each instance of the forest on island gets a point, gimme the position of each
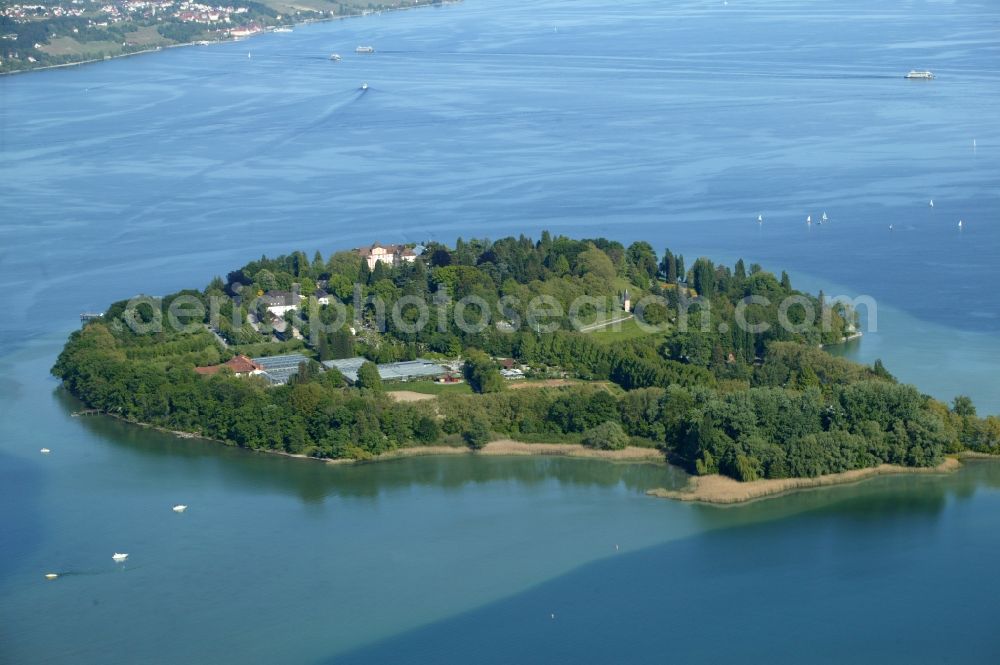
(715, 398)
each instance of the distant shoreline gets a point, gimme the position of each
(722, 490)
(157, 49)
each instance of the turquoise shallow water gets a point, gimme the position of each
(674, 123)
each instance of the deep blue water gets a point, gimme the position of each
(676, 123)
(824, 586)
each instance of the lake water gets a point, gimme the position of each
(676, 123)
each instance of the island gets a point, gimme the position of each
(54, 33)
(517, 346)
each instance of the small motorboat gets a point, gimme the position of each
(364, 86)
(45, 451)
(180, 508)
(119, 556)
(51, 576)
(335, 57)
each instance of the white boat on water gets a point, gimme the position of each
(365, 49)
(119, 556)
(364, 86)
(180, 508)
(960, 224)
(932, 203)
(51, 576)
(760, 219)
(45, 451)
(282, 30)
(920, 75)
(824, 218)
(809, 219)
(335, 57)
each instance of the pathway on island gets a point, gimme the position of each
(604, 324)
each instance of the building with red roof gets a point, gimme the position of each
(240, 365)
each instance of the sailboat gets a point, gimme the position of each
(809, 219)
(824, 218)
(932, 203)
(960, 224)
(248, 55)
(760, 219)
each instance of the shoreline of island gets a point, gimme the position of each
(513, 448)
(157, 49)
(721, 490)
(715, 489)
(496, 448)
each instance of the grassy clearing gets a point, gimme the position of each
(620, 332)
(430, 387)
(147, 35)
(68, 46)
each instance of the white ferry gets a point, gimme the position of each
(920, 75)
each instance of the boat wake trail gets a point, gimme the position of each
(327, 115)
(156, 201)
(117, 570)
